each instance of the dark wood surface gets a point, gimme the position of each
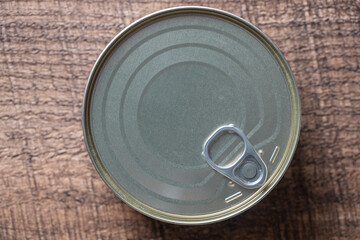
(49, 188)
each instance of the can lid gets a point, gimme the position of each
(163, 87)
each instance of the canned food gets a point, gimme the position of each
(191, 115)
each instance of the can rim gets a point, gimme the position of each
(255, 197)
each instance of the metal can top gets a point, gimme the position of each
(191, 115)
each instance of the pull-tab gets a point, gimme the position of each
(249, 171)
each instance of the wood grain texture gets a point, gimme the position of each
(49, 188)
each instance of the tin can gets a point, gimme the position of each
(191, 115)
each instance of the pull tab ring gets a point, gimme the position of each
(249, 170)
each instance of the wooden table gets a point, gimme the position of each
(49, 188)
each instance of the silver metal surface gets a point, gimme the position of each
(161, 86)
(249, 170)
